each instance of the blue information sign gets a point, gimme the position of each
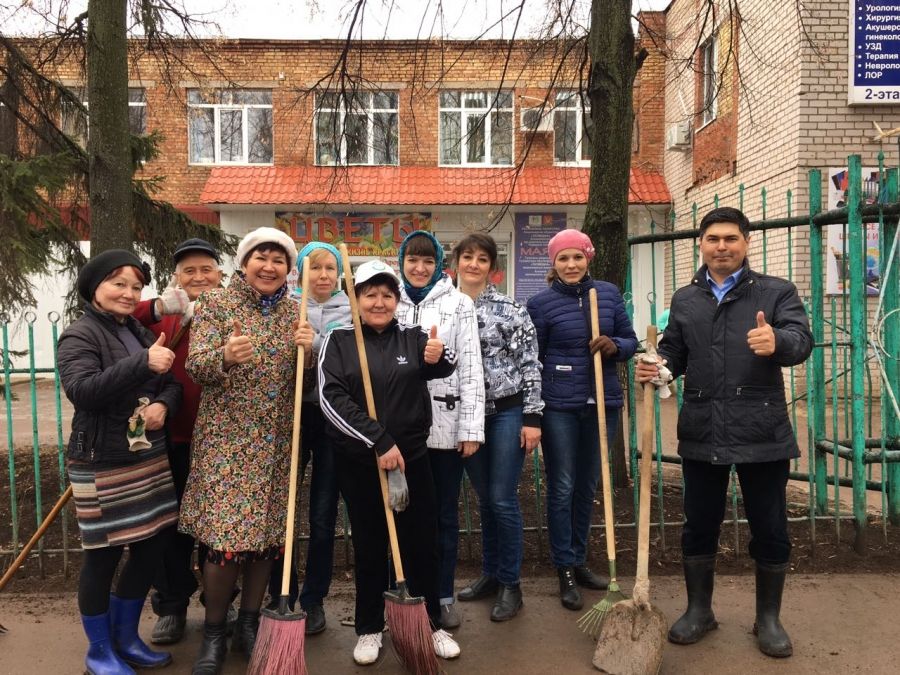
(874, 52)
(533, 233)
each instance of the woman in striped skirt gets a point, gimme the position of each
(115, 372)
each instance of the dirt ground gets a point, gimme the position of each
(838, 624)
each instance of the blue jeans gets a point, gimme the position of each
(446, 469)
(323, 507)
(494, 472)
(571, 447)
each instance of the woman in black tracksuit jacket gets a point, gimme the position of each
(398, 357)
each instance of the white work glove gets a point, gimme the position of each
(661, 381)
(174, 299)
(398, 490)
(137, 431)
(188, 313)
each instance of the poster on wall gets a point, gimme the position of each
(874, 53)
(837, 265)
(368, 235)
(533, 232)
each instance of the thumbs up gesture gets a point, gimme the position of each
(238, 348)
(173, 300)
(433, 348)
(160, 357)
(761, 339)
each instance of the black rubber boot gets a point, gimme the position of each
(212, 651)
(483, 587)
(569, 595)
(245, 630)
(508, 603)
(698, 620)
(773, 638)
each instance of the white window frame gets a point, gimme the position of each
(370, 111)
(568, 101)
(483, 112)
(218, 109)
(67, 117)
(137, 104)
(709, 55)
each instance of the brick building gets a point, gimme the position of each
(755, 100)
(389, 136)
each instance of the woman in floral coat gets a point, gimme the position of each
(243, 353)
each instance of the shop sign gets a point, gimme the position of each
(366, 234)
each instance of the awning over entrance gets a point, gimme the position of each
(415, 185)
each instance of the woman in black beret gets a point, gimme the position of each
(115, 373)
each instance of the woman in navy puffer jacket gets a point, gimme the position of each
(570, 441)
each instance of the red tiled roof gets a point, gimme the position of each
(415, 185)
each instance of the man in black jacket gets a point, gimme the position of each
(730, 332)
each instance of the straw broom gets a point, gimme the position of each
(282, 633)
(407, 617)
(591, 620)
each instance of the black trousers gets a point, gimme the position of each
(174, 579)
(416, 530)
(763, 489)
(98, 567)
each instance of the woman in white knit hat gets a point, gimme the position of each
(243, 351)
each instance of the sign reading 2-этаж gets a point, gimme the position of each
(874, 52)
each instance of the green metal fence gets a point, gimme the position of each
(851, 379)
(847, 391)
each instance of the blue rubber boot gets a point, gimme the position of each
(101, 659)
(124, 618)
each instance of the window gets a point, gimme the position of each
(8, 137)
(476, 128)
(137, 111)
(230, 126)
(356, 128)
(74, 122)
(571, 129)
(708, 55)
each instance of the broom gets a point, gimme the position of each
(279, 644)
(591, 620)
(634, 631)
(407, 617)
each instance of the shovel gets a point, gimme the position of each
(634, 632)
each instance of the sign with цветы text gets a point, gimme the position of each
(874, 52)
(366, 234)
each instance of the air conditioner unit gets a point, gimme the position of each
(535, 120)
(678, 136)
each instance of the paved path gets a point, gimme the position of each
(839, 624)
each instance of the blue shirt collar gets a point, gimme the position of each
(730, 282)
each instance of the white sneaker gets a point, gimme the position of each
(444, 645)
(367, 648)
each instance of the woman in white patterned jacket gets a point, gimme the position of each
(512, 374)
(428, 298)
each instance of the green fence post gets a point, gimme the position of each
(7, 391)
(890, 278)
(30, 318)
(816, 424)
(54, 318)
(856, 250)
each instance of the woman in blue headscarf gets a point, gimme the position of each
(327, 308)
(429, 298)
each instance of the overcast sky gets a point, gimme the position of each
(314, 19)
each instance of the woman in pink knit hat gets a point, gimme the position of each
(570, 438)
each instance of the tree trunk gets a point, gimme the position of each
(109, 148)
(613, 68)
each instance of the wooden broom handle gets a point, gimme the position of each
(601, 423)
(45, 524)
(295, 444)
(643, 559)
(370, 404)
